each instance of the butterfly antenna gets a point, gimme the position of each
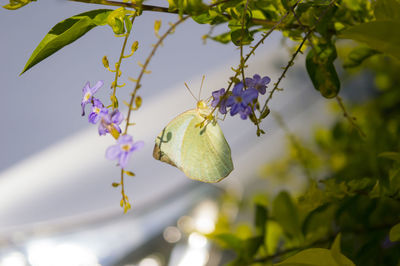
(187, 87)
(201, 86)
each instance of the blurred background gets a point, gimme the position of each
(57, 204)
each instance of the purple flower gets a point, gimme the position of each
(98, 111)
(218, 99)
(244, 113)
(110, 123)
(88, 94)
(258, 83)
(123, 149)
(240, 99)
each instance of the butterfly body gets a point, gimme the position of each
(202, 153)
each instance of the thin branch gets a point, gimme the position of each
(350, 118)
(262, 22)
(121, 56)
(133, 95)
(290, 63)
(128, 5)
(242, 65)
(295, 54)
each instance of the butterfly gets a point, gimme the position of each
(201, 152)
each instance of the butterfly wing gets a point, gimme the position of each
(168, 143)
(202, 154)
(206, 155)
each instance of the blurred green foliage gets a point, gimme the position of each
(352, 185)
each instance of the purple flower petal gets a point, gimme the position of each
(113, 152)
(94, 118)
(222, 108)
(83, 108)
(265, 80)
(97, 103)
(256, 78)
(97, 86)
(231, 101)
(235, 109)
(249, 82)
(86, 88)
(244, 113)
(125, 139)
(102, 129)
(123, 159)
(217, 97)
(249, 95)
(237, 89)
(137, 145)
(117, 117)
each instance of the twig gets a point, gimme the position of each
(350, 118)
(290, 63)
(167, 10)
(121, 56)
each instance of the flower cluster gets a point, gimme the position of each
(109, 122)
(242, 98)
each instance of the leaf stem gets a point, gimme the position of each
(118, 66)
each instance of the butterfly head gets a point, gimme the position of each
(203, 109)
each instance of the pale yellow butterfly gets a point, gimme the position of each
(202, 153)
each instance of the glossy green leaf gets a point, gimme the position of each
(322, 72)
(394, 234)
(387, 9)
(285, 213)
(357, 56)
(66, 32)
(381, 35)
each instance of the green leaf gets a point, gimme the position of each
(357, 56)
(394, 234)
(322, 72)
(241, 36)
(387, 10)
(228, 241)
(249, 248)
(337, 254)
(222, 38)
(15, 4)
(395, 156)
(381, 35)
(310, 257)
(66, 32)
(261, 217)
(319, 256)
(285, 213)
